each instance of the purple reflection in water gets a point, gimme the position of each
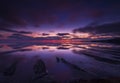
(59, 63)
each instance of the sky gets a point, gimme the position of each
(43, 16)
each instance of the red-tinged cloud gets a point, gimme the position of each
(1, 36)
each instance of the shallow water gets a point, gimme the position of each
(58, 62)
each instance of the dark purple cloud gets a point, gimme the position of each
(45, 34)
(62, 34)
(14, 31)
(104, 28)
(37, 13)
